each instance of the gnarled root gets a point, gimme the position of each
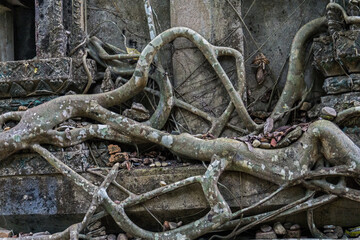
(286, 167)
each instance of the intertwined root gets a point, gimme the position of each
(323, 141)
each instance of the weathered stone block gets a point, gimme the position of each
(43, 76)
(50, 37)
(346, 46)
(338, 102)
(341, 84)
(13, 104)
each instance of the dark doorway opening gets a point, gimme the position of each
(24, 31)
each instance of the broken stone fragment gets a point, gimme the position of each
(4, 233)
(287, 225)
(173, 225)
(331, 235)
(163, 183)
(339, 231)
(295, 227)
(329, 231)
(328, 113)
(256, 143)
(265, 235)
(331, 227)
(293, 232)
(157, 164)
(305, 106)
(122, 236)
(22, 108)
(111, 237)
(265, 228)
(137, 112)
(290, 137)
(279, 229)
(265, 145)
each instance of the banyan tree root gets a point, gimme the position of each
(286, 167)
(220, 212)
(323, 139)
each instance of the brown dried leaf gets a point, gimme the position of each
(260, 76)
(22, 108)
(273, 142)
(166, 226)
(128, 165)
(114, 149)
(119, 157)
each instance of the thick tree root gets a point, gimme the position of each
(286, 167)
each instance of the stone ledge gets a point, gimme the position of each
(43, 77)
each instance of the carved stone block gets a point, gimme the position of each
(50, 38)
(338, 55)
(13, 104)
(341, 84)
(43, 76)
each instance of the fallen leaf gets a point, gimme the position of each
(114, 149)
(22, 108)
(260, 76)
(166, 226)
(119, 157)
(273, 142)
(128, 165)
